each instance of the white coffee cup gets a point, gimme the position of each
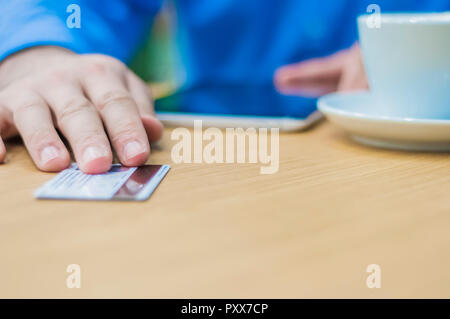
(407, 60)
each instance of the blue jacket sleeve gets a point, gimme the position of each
(113, 27)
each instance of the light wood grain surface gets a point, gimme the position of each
(224, 230)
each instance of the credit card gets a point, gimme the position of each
(119, 183)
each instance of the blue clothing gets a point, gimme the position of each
(231, 40)
(236, 41)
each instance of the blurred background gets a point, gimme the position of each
(156, 62)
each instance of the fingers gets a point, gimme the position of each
(142, 96)
(2, 151)
(78, 120)
(312, 77)
(313, 69)
(353, 78)
(353, 74)
(33, 120)
(3, 125)
(342, 71)
(86, 94)
(108, 92)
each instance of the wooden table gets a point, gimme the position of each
(224, 230)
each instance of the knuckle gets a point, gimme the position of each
(109, 60)
(88, 137)
(100, 64)
(72, 109)
(55, 77)
(113, 97)
(10, 90)
(95, 68)
(38, 137)
(24, 106)
(126, 130)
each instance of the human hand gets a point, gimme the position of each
(342, 71)
(87, 97)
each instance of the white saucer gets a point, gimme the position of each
(357, 114)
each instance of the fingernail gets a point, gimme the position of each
(92, 153)
(49, 153)
(132, 149)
